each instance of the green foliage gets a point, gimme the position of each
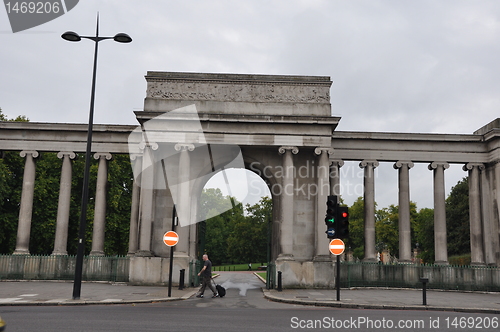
(119, 202)
(218, 228)
(386, 230)
(357, 229)
(11, 175)
(248, 241)
(19, 118)
(460, 259)
(423, 231)
(45, 199)
(457, 219)
(232, 236)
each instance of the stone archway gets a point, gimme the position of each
(193, 123)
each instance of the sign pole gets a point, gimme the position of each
(337, 279)
(337, 247)
(171, 257)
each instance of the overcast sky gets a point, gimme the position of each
(397, 66)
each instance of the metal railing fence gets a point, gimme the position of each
(471, 278)
(61, 267)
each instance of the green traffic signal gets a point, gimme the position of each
(331, 215)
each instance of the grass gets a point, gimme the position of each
(240, 267)
(236, 267)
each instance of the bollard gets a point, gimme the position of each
(181, 279)
(279, 282)
(424, 282)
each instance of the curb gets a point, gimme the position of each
(340, 304)
(104, 302)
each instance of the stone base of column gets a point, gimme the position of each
(309, 274)
(442, 263)
(21, 252)
(59, 253)
(369, 260)
(405, 261)
(155, 270)
(144, 253)
(322, 258)
(285, 257)
(477, 264)
(96, 253)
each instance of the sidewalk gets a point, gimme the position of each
(61, 293)
(23, 293)
(391, 299)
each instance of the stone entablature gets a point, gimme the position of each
(56, 137)
(239, 94)
(239, 88)
(425, 148)
(454, 148)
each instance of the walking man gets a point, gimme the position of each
(206, 278)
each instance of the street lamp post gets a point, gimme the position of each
(74, 37)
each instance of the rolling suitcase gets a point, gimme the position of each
(220, 290)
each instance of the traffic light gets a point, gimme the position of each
(331, 216)
(342, 222)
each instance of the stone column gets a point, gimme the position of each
(61, 237)
(183, 206)
(440, 241)
(26, 208)
(146, 212)
(335, 176)
(100, 205)
(369, 200)
(476, 232)
(321, 241)
(495, 219)
(403, 168)
(133, 240)
(489, 239)
(286, 204)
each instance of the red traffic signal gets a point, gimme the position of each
(342, 226)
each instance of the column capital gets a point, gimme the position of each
(106, 155)
(398, 164)
(135, 156)
(33, 153)
(152, 145)
(366, 162)
(283, 149)
(470, 166)
(336, 162)
(70, 154)
(319, 150)
(184, 147)
(435, 165)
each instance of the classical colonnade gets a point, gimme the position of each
(63, 207)
(276, 121)
(326, 161)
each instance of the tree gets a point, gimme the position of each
(248, 241)
(424, 234)
(356, 240)
(457, 219)
(386, 229)
(119, 202)
(232, 236)
(218, 228)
